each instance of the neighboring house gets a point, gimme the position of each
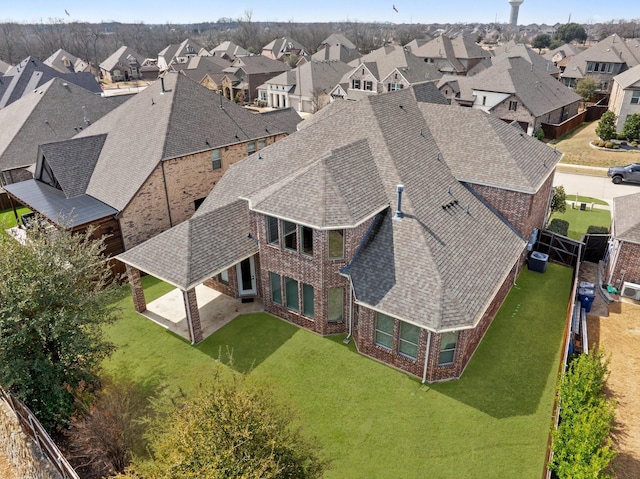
(149, 163)
(456, 56)
(623, 259)
(305, 88)
(65, 62)
(57, 110)
(514, 90)
(283, 49)
(602, 61)
(386, 69)
(512, 49)
(246, 74)
(123, 65)
(177, 53)
(229, 51)
(562, 55)
(625, 96)
(314, 226)
(336, 47)
(206, 70)
(29, 74)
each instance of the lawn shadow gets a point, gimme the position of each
(248, 340)
(517, 361)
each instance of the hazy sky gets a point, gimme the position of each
(429, 11)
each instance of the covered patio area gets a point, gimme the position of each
(215, 310)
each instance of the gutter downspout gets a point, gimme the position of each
(426, 358)
(166, 193)
(351, 296)
(614, 262)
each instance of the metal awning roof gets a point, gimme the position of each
(55, 206)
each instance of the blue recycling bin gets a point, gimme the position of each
(586, 297)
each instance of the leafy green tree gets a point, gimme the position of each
(541, 41)
(606, 128)
(559, 200)
(571, 31)
(228, 432)
(587, 88)
(54, 300)
(631, 128)
(582, 446)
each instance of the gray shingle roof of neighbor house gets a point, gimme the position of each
(30, 73)
(568, 50)
(170, 52)
(230, 49)
(54, 111)
(154, 126)
(279, 46)
(55, 206)
(337, 39)
(225, 231)
(427, 92)
(257, 64)
(311, 76)
(512, 49)
(626, 219)
(537, 90)
(283, 119)
(440, 266)
(58, 58)
(612, 49)
(72, 162)
(121, 56)
(629, 77)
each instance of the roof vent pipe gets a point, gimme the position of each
(399, 214)
(162, 85)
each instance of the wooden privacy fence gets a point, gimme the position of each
(32, 428)
(592, 113)
(560, 249)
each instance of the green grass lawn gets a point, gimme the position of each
(580, 220)
(8, 219)
(370, 420)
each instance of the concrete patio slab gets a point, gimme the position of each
(216, 310)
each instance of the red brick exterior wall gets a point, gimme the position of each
(168, 196)
(629, 261)
(468, 340)
(523, 211)
(317, 271)
(137, 293)
(191, 307)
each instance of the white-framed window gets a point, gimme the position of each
(368, 85)
(335, 305)
(308, 294)
(513, 105)
(223, 277)
(336, 244)
(384, 331)
(395, 86)
(276, 288)
(448, 343)
(263, 95)
(291, 294)
(251, 147)
(262, 142)
(355, 84)
(635, 97)
(408, 341)
(604, 85)
(216, 159)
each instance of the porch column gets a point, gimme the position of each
(193, 316)
(136, 289)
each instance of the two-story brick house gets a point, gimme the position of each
(316, 227)
(152, 161)
(623, 259)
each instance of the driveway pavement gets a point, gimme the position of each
(594, 186)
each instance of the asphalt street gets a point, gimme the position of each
(594, 186)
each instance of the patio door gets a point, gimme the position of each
(246, 270)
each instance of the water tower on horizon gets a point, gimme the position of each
(515, 6)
